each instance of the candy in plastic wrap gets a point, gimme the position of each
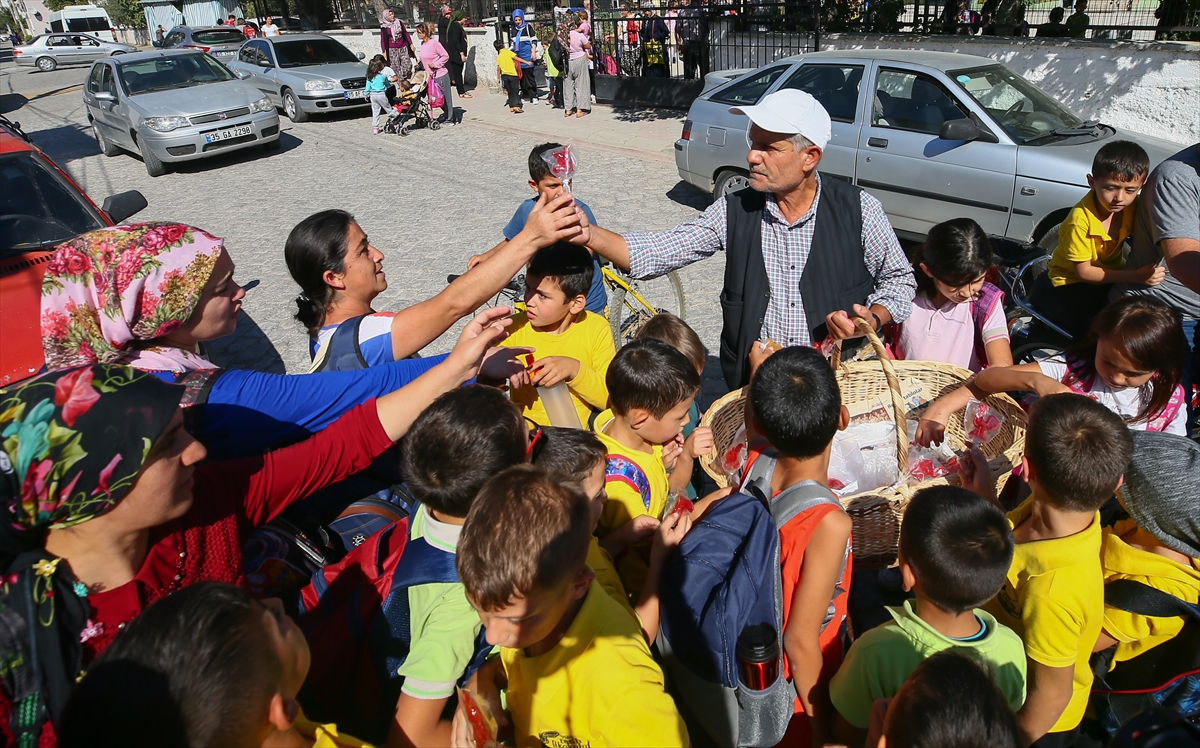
(734, 458)
(563, 164)
(677, 503)
(981, 422)
(483, 723)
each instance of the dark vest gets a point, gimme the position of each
(833, 278)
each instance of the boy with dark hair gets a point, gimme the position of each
(1088, 257)
(455, 446)
(651, 387)
(580, 457)
(955, 549)
(204, 666)
(545, 183)
(1076, 452)
(576, 670)
(506, 73)
(796, 406)
(692, 441)
(573, 345)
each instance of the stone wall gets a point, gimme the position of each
(1147, 87)
(481, 55)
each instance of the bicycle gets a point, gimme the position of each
(1032, 335)
(630, 302)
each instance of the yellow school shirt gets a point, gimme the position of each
(326, 736)
(598, 687)
(1081, 238)
(506, 60)
(1134, 633)
(625, 502)
(606, 575)
(1053, 597)
(589, 341)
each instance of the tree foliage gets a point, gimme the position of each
(126, 12)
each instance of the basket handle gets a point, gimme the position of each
(899, 410)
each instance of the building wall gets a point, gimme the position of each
(1147, 87)
(481, 55)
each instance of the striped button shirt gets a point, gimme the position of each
(785, 248)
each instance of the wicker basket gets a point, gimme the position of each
(877, 514)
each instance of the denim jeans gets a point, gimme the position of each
(1191, 364)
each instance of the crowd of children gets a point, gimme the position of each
(524, 597)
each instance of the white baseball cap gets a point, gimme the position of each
(790, 112)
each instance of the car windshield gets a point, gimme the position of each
(176, 71)
(38, 208)
(301, 52)
(1024, 111)
(219, 36)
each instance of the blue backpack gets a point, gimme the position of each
(724, 576)
(343, 352)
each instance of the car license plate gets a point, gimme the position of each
(227, 53)
(228, 133)
(356, 94)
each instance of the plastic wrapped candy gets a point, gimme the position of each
(563, 164)
(678, 503)
(734, 458)
(929, 462)
(981, 422)
(483, 723)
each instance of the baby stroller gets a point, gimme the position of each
(415, 113)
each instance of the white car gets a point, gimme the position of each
(48, 51)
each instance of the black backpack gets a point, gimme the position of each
(1167, 675)
(558, 54)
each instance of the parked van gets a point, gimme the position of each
(86, 18)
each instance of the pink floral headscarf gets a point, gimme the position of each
(106, 290)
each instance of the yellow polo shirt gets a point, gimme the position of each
(1082, 238)
(1134, 633)
(598, 687)
(326, 736)
(589, 341)
(1053, 598)
(606, 575)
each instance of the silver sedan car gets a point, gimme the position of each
(304, 73)
(175, 105)
(933, 135)
(48, 51)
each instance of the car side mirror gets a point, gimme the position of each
(361, 56)
(104, 96)
(123, 204)
(966, 129)
(242, 74)
(264, 63)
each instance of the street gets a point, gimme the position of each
(428, 201)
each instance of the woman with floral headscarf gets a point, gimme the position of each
(108, 505)
(396, 45)
(145, 295)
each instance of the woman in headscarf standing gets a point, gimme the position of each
(453, 37)
(522, 44)
(108, 505)
(396, 45)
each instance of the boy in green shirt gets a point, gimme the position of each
(955, 549)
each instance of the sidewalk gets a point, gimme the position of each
(639, 132)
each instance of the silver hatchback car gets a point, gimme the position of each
(175, 105)
(48, 51)
(222, 42)
(933, 135)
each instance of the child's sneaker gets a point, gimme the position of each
(376, 131)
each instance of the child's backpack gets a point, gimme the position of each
(724, 576)
(558, 54)
(355, 616)
(1167, 675)
(342, 352)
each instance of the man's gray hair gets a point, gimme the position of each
(799, 142)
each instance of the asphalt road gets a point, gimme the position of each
(429, 201)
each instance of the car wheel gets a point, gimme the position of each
(154, 167)
(107, 148)
(729, 181)
(291, 107)
(46, 64)
(1049, 240)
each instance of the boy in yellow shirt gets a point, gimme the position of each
(1076, 451)
(206, 665)
(1160, 545)
(576, 669)
(580, 457)
(506, 75)
(570, 344)
(651, 386)
(1088, 257)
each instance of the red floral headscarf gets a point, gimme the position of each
(105, 290)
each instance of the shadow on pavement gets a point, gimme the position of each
(12, 102)
(247, 348)
(645, 114)
(688, 194)
(287, 142)
(67, 142)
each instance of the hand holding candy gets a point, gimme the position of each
(980, 422)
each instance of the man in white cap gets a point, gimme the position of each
(804, 253)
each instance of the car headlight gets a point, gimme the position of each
(165, 124)
(262, 105)
(319, 85)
